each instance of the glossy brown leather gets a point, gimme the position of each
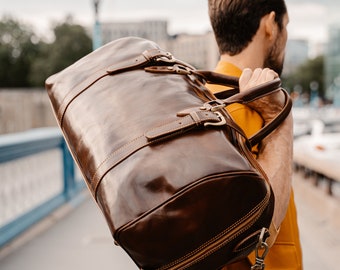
(170, 170)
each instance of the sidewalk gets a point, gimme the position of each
(319, 221)
(79, 239)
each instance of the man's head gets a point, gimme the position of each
(236, 22)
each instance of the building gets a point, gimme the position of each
(332, 65)
(198, 50)
(155, 30)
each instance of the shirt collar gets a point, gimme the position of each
(228, 68)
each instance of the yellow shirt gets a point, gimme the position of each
(286, 253)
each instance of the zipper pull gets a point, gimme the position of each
(261, 252)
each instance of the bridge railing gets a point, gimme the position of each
(37, 175)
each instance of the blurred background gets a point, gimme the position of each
(45, 210)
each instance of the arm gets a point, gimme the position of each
(276, 150)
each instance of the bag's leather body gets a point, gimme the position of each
(174, 178)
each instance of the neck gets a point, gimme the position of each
(251, 57)
(245, 59)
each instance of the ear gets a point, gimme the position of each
(271, 27)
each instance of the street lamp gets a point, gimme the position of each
(97, 37)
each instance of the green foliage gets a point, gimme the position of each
(306, 76)
(71, 43)
(26, 61)
(17, 52)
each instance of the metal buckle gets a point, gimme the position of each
(220, 123)
(213, 105)
(179, 69)
(157, 54)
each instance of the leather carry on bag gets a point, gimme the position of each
(168, 167)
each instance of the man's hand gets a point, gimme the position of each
(250, 79)
(268, 106)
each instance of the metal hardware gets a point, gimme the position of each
(261, 246)
(158, 55)
(179, 69)
(213, 105)
(166, 58)
(220, 123)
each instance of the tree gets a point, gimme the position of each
(26, 60)
(18, 50)
(70, 44)
(307, 76)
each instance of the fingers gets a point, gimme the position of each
(271, 75)
(245, 77)
(257, 76)
(251, 78)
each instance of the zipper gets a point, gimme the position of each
(217, 242)
(222, 239)
(177, 194)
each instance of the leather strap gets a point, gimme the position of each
(217, 78)
(249, 96)
(138, 61)
(184, 123)
(192, 119)
(259, 92)
(275, 123)
(148, 56)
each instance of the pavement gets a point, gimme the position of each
(76, 236)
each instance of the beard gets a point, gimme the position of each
(273, 60)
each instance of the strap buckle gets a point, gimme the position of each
(220, 123)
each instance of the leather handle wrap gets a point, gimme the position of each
(217, 78)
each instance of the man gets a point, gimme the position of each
(251, 36)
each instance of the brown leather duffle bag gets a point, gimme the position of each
(172, 173)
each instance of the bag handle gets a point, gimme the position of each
(275, 122)
(251, 95)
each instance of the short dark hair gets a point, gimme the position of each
(235, 22)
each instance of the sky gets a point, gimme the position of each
(309, 19)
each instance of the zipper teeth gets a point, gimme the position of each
(215, 243)
(220, 240)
